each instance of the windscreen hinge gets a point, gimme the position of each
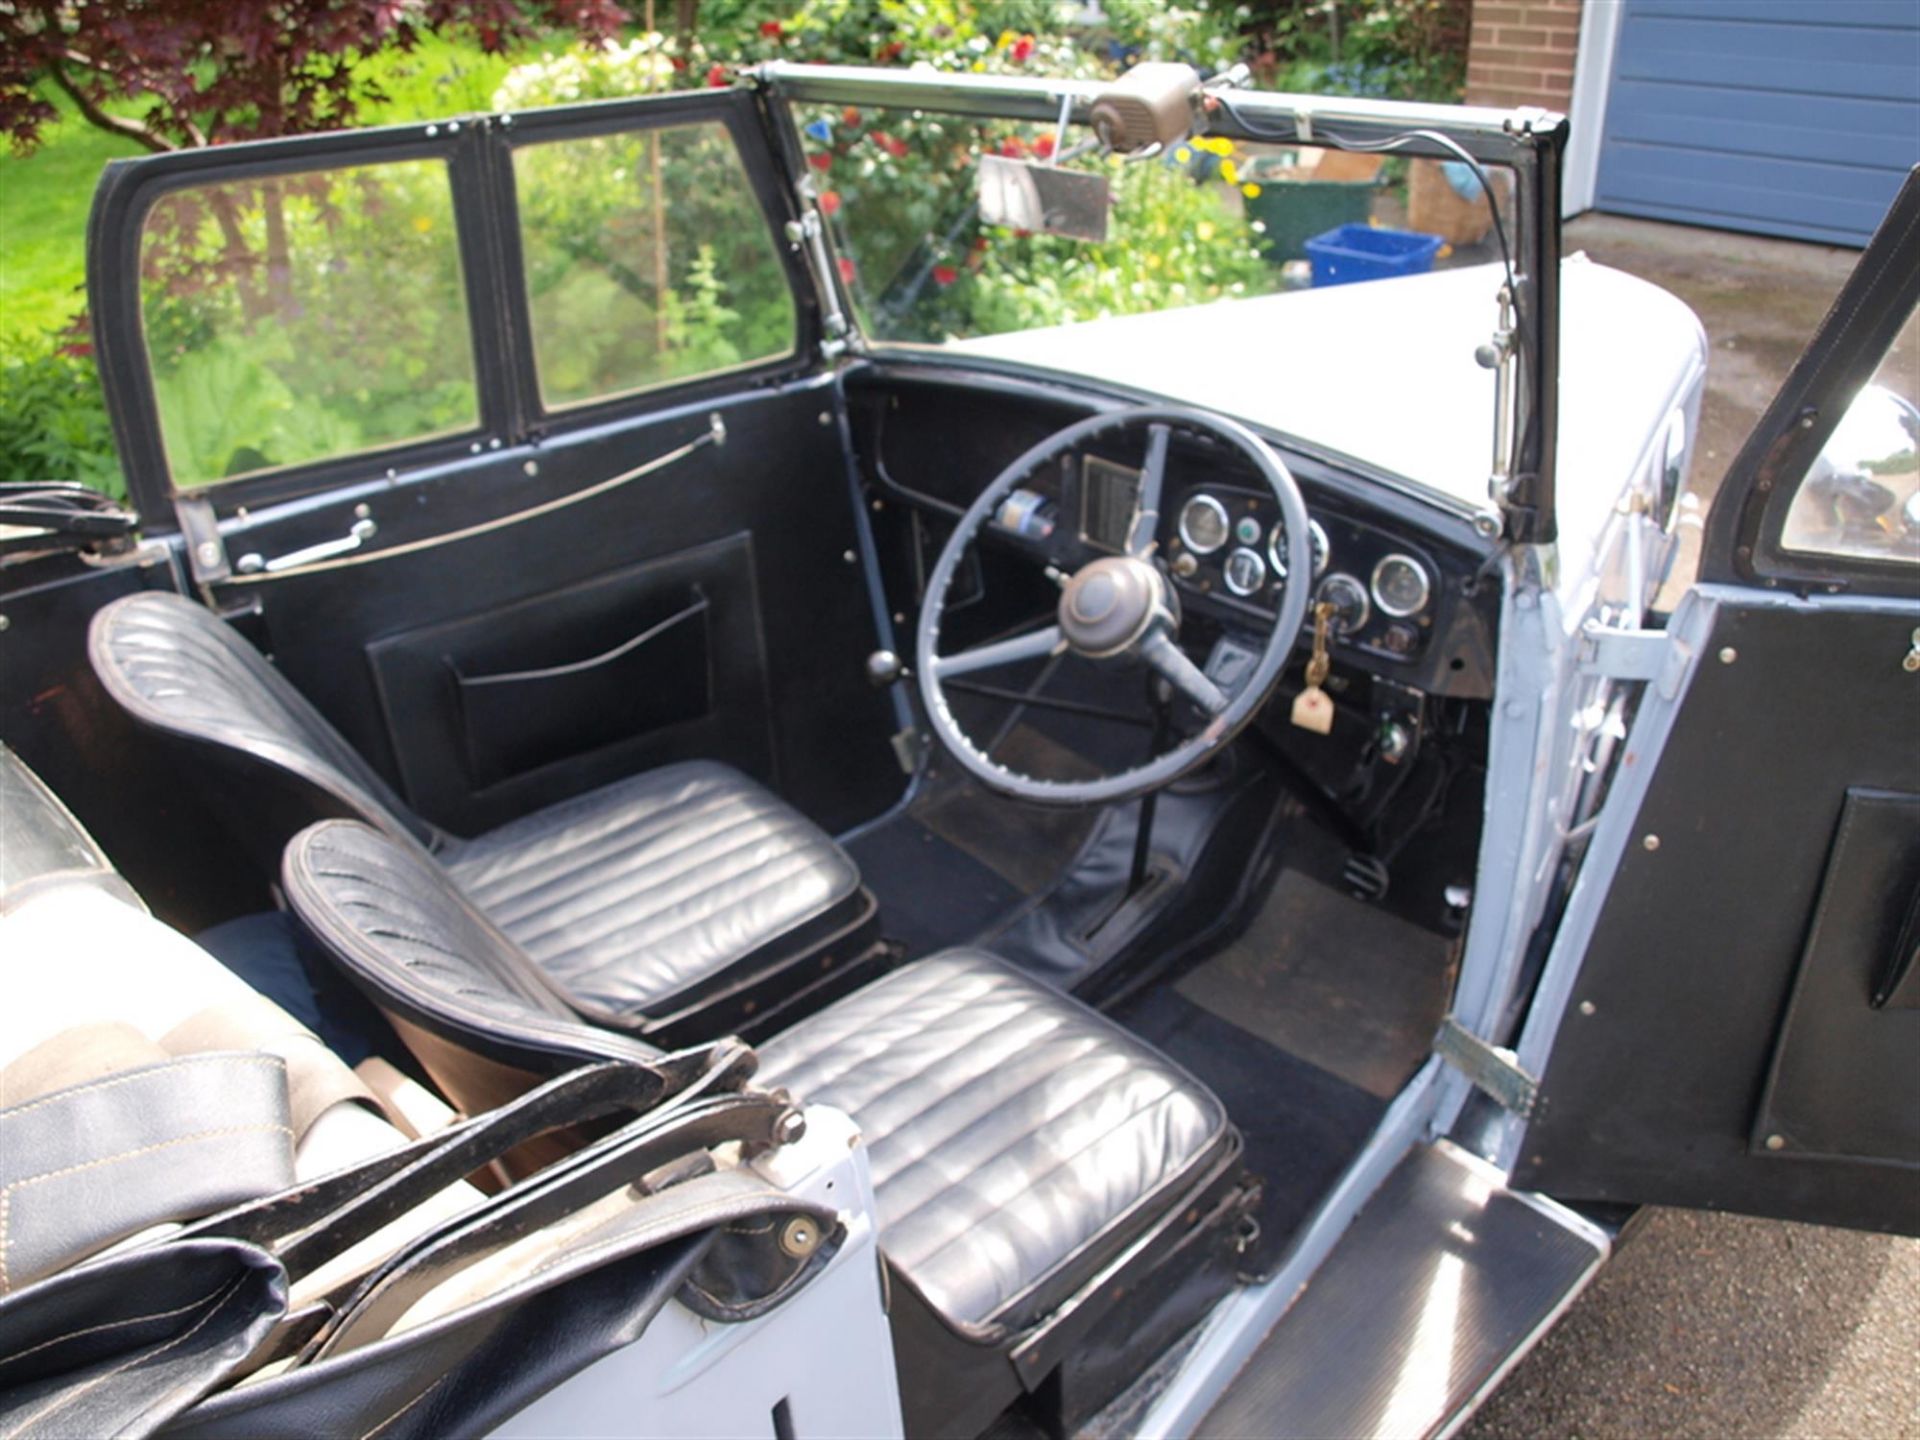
(808, 235)
(1492, 1068)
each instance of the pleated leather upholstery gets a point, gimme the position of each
(1018, 1139)
(629, 897)
(178, 667)
(638, 891)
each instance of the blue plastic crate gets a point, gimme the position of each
(1364, 252)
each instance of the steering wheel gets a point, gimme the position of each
(1117, 610)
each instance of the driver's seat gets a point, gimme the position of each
(682, 899)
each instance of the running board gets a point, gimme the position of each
(1440, 1285)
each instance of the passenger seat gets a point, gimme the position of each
(1033, 1162)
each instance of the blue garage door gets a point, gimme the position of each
(1785, 117)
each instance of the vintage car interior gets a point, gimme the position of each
(1083, 793)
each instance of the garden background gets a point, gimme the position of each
(440, 59)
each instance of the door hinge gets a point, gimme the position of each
(1655, 656)
(1491, 1068)
(206, 550)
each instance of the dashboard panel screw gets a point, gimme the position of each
(1586, 1007)
(1728, 654)
(1650, 842)
(1776, 1142)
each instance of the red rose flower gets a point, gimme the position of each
(944, 275)
(896, 148)
(1022, 49)
(820, 159)
(829, 202)
(850, 116)
(1012, 147)
(846, 269)
(772, 29)
(1043, 147)
(716, 76)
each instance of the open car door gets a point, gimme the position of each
(1730, 1016)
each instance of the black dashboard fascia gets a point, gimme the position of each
(952, 428)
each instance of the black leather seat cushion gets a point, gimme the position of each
(644, 890)
(638, 899)
(1019, 1140)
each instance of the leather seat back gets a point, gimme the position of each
(469, 1002)
(177, 667)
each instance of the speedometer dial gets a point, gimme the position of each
(1203, 524)
(1316, 541)
(1401, 586)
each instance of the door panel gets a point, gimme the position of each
(760, 527)
(1708, 971)
(639, 545)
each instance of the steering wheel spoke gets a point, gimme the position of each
(1032, 646)
(1153, 473)
(1171, 662)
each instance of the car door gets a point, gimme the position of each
(509, 438)
(1730, 1014)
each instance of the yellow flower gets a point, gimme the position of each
(1183, 155)
(1230, 172)
(1204, 230)
(1220, 145)
(1005, 42)
(423, 223)
(1250, 190)
(979, 67)
(1153, 260)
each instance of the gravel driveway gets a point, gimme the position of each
(1717, 1325)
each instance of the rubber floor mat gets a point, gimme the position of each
(1337, 982)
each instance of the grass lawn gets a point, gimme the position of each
(43, 224)
(44, 197)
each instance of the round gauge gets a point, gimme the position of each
(1203, 524)
(1400, 586)
(1349, 600)
(1247, 530)
(1316, 540)
(1245, 572)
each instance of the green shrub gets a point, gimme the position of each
(53, 422)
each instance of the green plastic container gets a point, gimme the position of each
(1294, 211)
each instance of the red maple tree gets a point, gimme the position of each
(237, 70)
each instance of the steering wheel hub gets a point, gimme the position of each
(1109, 604)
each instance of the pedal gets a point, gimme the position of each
(1366, 876)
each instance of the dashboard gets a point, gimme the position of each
(1403, 580)
(1229, 546)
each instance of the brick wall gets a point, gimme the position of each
(1520, 52)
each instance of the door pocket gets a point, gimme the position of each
(515, 720)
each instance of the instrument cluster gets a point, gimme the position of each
(1229, 545)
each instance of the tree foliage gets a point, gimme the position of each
(203, 74)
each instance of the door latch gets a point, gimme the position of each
(1912, 663)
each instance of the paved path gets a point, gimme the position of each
(1716, 1325)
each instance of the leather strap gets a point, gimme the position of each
(118, 1347)
(88, 1165)
(317, 1079)
(702, 1203)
